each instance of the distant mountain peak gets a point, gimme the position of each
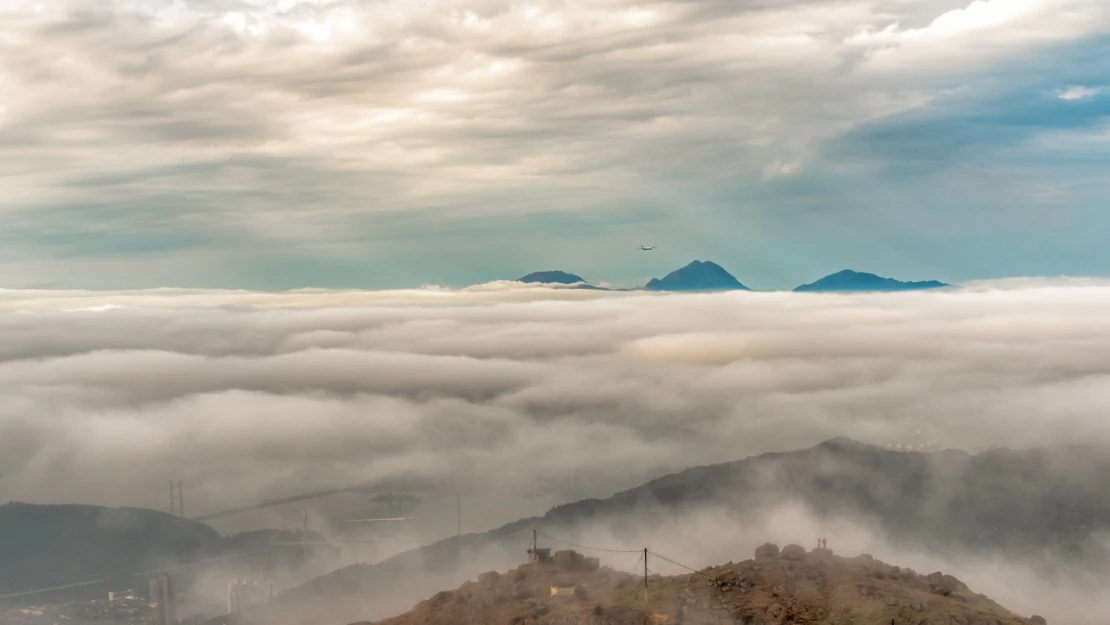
(551, 277)
(697, 276)
(849, 280)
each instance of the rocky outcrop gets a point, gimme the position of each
(773, 590)
(767, 550)
(573, 561)
(793, 552)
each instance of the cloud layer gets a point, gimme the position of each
(288, 143)
(517, 397)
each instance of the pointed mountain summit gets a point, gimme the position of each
(697, 276)
(848, 280)
(551, 277)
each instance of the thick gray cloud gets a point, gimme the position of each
(502, 391)
(200, 135)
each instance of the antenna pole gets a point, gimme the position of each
(458, 515)
(180, 499)
(173, 500)
(304, 538)
(645, 577)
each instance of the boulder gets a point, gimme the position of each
(521, 591)
(793, 552)
(1038, 619)
(489, 579)
(944, 585)
(568, 560)
(767, 550)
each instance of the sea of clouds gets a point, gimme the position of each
(502, 391)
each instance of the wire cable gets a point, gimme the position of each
(567, 542)
(693, 570)
(636, 567)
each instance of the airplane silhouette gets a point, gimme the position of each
(647, 249)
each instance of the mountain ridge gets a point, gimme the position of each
(62, 544)
(708, 276)
(848, 280)
(946, 502)
(552, 276)
(90, 542)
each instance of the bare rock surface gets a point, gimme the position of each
(783, 587)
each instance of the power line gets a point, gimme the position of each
(279, 543)
(275, 502)
(567, 542)
(365, 487)
(139, 574)
(230, 556)
(642, 553)
(636, 567)
(40, 590)
(693, 570)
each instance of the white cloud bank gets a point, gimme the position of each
(106, 396)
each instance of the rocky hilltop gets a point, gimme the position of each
(1040, 505)
(787, 586)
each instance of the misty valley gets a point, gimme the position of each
(271, 458)
(554, 312)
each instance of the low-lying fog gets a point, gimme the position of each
(517, 397)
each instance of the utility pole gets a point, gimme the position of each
(173, 500)
(167, 596)
(304, 538)
(645, 578)
(458, 515)
(180, 499)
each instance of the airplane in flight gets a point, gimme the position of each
(647, 249)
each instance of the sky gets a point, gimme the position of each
(279, 144)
